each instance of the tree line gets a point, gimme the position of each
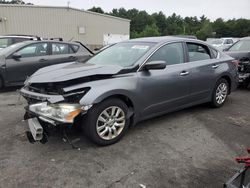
(158, 24)
(14, 2)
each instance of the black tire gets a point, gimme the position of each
(89, 125)
(1, 83)
(214, 103)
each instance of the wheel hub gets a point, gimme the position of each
(110, 123)
(221, 93)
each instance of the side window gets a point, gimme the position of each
(198, 52)
(75, 47)
(215, 53)
(231, 41)
(171, 53)
(60, 48)
(38, 49)
(4, 42)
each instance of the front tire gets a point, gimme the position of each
(220, 93)
(1, 83)
(106, 122)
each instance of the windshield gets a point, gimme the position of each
(242, 45)
(216, 41)
(122, 54)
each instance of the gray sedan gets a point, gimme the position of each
(21, 60)
(126, 83)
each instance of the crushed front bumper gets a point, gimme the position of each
(243, 77)
(41, 127)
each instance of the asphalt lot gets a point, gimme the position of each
(190, 148)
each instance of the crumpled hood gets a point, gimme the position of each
(71, 71)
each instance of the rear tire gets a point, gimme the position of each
(220, 93)
(106, 122)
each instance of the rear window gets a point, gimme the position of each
(75, 48)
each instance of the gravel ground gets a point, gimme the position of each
(190, 148)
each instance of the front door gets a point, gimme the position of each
(167, 89)
(32, 58)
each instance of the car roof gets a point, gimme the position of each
(164, 39)
(42, 41)
(18, 36)
(227, 38)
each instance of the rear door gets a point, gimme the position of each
(203, 66)
(61, 53)
(32, 57)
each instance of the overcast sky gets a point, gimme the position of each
(226, 9)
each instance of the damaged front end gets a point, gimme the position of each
(244, 72)
(54, 95)
(51, 109)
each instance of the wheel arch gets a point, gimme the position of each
(123, 97)
(229, 80)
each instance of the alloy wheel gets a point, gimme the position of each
(221, 93)
(110, 122)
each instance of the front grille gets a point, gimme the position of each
(42, 89)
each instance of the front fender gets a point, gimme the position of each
(102, 89)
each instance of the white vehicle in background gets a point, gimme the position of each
(7, 40)
(221, 43)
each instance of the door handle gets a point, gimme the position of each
(43, 60)
(72, 57)
(184, 73)
(215, 66)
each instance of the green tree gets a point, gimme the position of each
(96, 9)
(160, 21)
(174, 25)
(149, 31)
(14, 2)
(206, 31)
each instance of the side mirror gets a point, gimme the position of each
(155, 65)
(16, 56)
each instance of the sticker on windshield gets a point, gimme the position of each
(140, 47)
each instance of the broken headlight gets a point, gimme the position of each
(64, 113)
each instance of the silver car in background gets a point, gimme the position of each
(128, 82)
(221, 43)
